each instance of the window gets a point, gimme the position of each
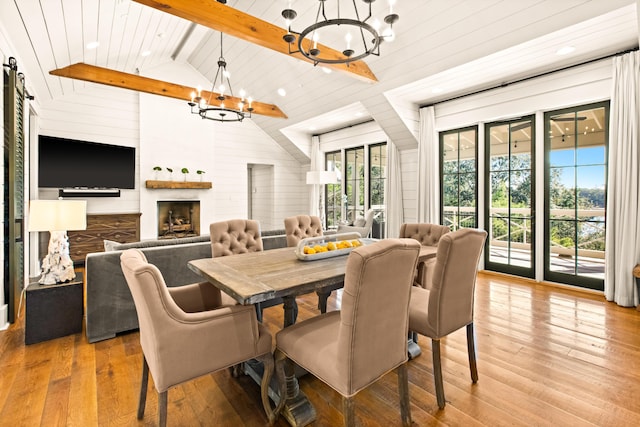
(354, 183)
(575, 194)
(509, 193)
(333, 192)
(363, 178)
(458, 159)
(377, 182)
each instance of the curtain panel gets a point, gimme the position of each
(623, 200)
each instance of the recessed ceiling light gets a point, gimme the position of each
(146, 53)
(565, 50)
(358, 113)
(282, 92)
(93, 45)
(326, 70)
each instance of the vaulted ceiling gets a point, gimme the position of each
(443, 48)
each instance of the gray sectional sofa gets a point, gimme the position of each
(109, 305)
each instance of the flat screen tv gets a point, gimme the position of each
(70, 163)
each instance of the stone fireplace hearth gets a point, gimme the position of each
(178, 219)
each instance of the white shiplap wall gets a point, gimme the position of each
(3, 307)
(172, 137)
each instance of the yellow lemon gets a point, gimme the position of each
(317, 248)
(347, 244)
(306, 249)
(310, 251)
(331, 246)
(355, 243)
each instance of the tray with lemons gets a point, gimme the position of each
(332, 245)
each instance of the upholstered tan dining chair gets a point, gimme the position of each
(300, 227)
(428, 235)
(238, 236)
(447, 304)
(186, 332)
(354, 347)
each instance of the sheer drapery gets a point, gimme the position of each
(428, 188)
(623, 201)
(317, 164)
(393, 192)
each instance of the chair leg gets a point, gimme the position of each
(403, 390)
(348, 411)
(162, 408)
(142, 401)
(268, 364)
(280, 360)
(471, 348)
(437, 372)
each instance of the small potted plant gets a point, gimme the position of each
(156, 172)
(199, 172)
(185, 171)
(170, 173)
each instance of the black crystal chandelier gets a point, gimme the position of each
(214, 107)
(361, 34)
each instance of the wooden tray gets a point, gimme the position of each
(322, 240)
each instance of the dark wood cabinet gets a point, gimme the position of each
(121, 228)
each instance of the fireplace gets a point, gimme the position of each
(178, 219)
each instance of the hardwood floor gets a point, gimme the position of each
(546, 356)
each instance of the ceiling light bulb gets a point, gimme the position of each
(388, 34)
(243, 93)
(348, 39)
(226, 74)
(282, 92)
(221, 89)
(326, 70)
(146, 53)
(316, 37)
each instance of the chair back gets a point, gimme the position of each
(235, 236)
(300, 227)
(374, 318)
(426, 234)
(150, 296)
(452, 290)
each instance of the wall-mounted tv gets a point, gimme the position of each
(70, 163)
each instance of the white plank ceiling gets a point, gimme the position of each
(443, 48)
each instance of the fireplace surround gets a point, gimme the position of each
(178, 218)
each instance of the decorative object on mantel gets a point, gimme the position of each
(185, 172)
(365, 37)
(203, 185)
(199, 172)
(221, 112)
(156, 171)
(170, 173)
(57, 217)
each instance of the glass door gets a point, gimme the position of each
(575, 195)
(509, 192)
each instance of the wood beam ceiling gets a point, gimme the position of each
(220, 17)
(94, 74)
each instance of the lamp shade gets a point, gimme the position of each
(322, 177)
(57, 215)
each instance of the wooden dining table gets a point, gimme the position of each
(256, 277)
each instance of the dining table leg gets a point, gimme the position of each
(298, 411)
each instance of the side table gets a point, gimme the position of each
(53, 311)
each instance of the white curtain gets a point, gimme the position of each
(393, 192)
(317, 164)
(428, 188)
(623, 203)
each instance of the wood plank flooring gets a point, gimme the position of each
(547, 356)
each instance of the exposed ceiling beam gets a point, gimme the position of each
(221, 17)
(106, 76)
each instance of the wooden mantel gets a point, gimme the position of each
(178, 184)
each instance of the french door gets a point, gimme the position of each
(509, 196)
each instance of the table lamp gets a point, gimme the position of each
(57, 217)
(322, 178)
